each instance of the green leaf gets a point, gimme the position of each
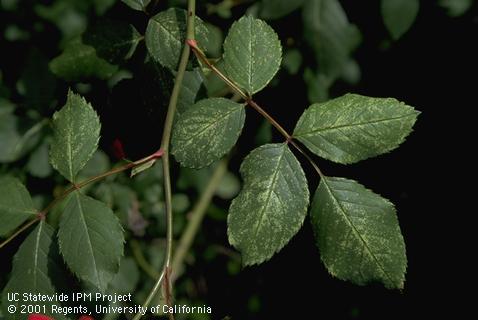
(33, 266)
(272, 205)
(354, 127)
(229, 186)
(216, 87)
(114, 41)
(190, 90)
(79, 62)
(207, 131)
(399, 15)
(292, 61)
(456, 8)
(166, 36)
(318, 85)
(91, 240)
(275, 9)
(66, 15)
(16, 205)
(97, 164)
(101, 6)
(215, 39)
(252, 54)
(139, 5)
(18, 136)
(38, 164)
(329, 33)
(76, 132)
(358, 234)
(127, 277)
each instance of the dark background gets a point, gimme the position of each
(433, 68)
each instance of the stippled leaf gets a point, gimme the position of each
(16, 205)
(399, 15)
(80, 62)
(252, 53)
(33, 265)
(354, 127)
(207, 131)
(76, 131)
(139, 5)
(166, 36)
(358, 234)
(271, 206)
(91, 240)
(113, 41)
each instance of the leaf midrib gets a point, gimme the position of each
(35, 259)
(357, 232)
(90, 246)
(68, 140)
(270, 191)
(331, 128)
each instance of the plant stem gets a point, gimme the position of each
(269, 118)
(202, 57)
(19, 231)
(196, 217)
(289, 138)
(42, 214)
(190, 36)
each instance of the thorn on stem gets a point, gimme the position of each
(192, 43)
(158, 154)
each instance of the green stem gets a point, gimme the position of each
(42, 214)
(196, 217)
(168, 124)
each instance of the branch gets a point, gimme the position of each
(42, 214)
(165, 147)
(196, 217)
